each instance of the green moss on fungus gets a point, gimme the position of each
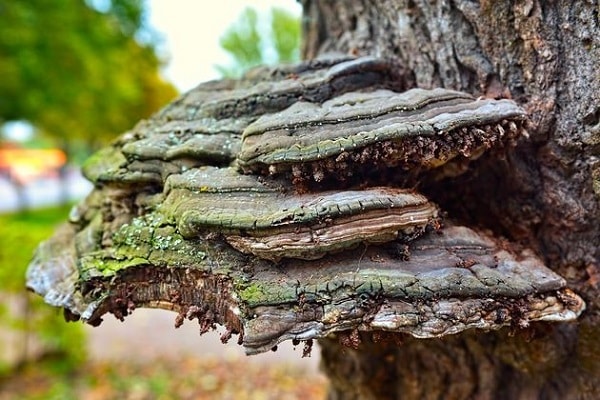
(93, 266)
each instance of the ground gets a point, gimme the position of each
(145, 357)
(182, 378)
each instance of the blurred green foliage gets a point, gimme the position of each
(20, 233)
(249, 45)
(75, 72)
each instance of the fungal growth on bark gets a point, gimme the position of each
(273, 223)
(361, 133)
(287, 205)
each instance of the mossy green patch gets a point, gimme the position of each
(260, 294)
(103, 164)
(100, 265)
(151, 238)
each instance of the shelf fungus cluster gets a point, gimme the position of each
(283, 207)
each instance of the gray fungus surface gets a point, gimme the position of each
(286, 206)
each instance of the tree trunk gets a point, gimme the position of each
(545, 195)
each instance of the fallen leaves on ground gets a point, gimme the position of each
(167, 379)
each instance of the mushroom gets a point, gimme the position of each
(361, 133)
(271, 205)
(272, 223)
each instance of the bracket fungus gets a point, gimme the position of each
(272, 223)
(359, 133)
(204, 209)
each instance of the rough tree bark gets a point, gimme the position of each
(546, 194)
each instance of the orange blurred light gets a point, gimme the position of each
(28, 164)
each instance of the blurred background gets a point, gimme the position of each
(74, 74)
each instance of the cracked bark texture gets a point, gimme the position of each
(544, 55)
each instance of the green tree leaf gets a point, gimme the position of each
(249, 46)
(77, 73)
(285, 29)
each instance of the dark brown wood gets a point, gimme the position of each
(544, 55)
